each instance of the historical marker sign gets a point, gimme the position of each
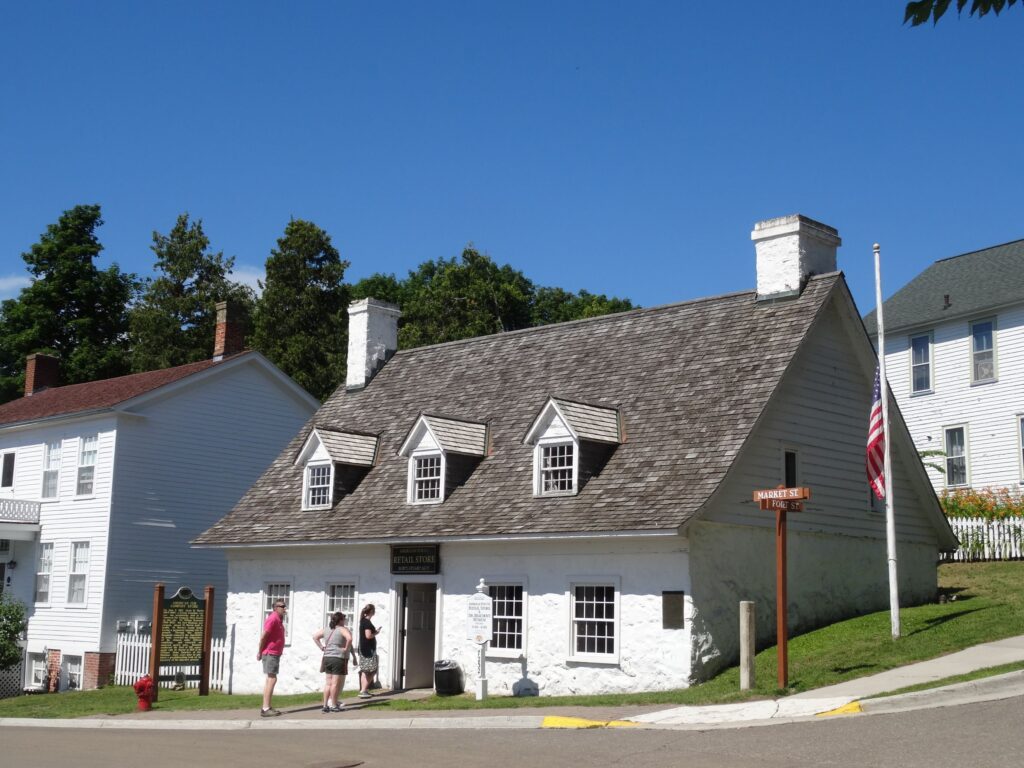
(478, 623)
(181, 636)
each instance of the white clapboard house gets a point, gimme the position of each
(598, 475)
(954, 351)
(105, 483)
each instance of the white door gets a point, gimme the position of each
(419, 610)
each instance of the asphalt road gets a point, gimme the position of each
(986, 735)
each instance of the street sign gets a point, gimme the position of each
(781, 505)
(478, 623)
(782, 493)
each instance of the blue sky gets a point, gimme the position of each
(622, 148)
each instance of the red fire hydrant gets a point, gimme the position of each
(145, 689)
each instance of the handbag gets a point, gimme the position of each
(368, 664)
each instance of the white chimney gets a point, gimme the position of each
(789, 250)
(372, 339)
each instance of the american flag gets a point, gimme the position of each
(876, 441)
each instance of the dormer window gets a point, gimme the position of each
(569, 440)
(442, 454)
(333, 462)
(427, 479)
(318, 485)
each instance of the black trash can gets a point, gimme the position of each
(449, 679)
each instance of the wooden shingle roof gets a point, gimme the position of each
(690, 381)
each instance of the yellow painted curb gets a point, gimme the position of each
(555, 721)
(852, 708)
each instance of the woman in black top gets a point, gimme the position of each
(367, 650)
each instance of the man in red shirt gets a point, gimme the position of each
(270, 650)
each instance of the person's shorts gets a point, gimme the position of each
(335, 665)
(271, 664)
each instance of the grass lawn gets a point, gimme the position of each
(989, 606)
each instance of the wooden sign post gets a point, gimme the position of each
(781, 500)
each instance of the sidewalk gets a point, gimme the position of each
(840, 699)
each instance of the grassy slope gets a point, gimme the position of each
(989, 606)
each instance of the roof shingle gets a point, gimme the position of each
(690, 381)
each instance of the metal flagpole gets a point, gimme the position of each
(890, 516)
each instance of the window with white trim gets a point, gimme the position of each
(7, 471)
(428, 478)
(341, 597)
(318, 486)
(51, 470)
(78, 573)
(86, 465)
(72, 677)
(921, 363)
(507, 616)
(44, 567)
(983, 351)
(1020, 445)
(557, 468)
(36, 670)
(956, 456)
(594, 621)
(272, 592)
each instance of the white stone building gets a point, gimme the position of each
(105, 483)
(598, 475)
(954, 351)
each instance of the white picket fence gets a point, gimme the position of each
(133, 650)
(982, 539)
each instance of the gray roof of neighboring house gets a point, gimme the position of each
(975, 282)
(689, 380)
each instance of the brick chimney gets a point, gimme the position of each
(229, 337)
(41, 372)
(372, 339)
(789, 250)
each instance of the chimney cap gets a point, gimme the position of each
(795, 222)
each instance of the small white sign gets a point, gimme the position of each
(478, 621)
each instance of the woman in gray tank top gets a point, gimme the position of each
(335, 641)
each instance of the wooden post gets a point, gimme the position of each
(204, 667)
(747, 626)
(156, 632)
(781, 635)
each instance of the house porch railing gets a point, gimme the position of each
(19, 511)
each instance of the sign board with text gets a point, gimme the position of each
(416, 558)
(782, 493)
(478, 618)
(781, 505)
(181, 634)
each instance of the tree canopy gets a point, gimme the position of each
(174, 321)
(301, 320)
(450, 299)
(12, 624)
(919, 11)
(71, 309)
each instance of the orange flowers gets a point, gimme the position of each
(988, 503)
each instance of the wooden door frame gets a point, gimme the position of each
(397, 641)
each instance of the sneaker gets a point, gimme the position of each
(365, 695)
(269, 712)
(338, 708)
(325, 709)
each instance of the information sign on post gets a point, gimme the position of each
(182, 635)
(478, 629)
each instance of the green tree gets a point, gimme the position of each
(12, 625)
(555, 305)
(174, 321)
(71, 309)
(919, 11)
(301, 321)
(450, 299)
